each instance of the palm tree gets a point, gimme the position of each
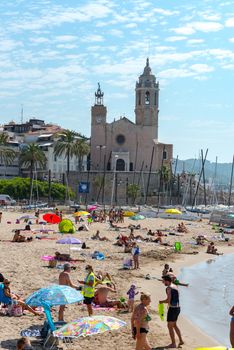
(32, 157)
(66, 145)
(132, 192)
(82, 149)
(7, 154)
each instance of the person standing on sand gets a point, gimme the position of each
(173, 311)
(64, 280)
(231, 312)
(140, 323)
(135, 255)
(89, 288)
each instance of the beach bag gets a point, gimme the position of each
(178, 246)
(15, 310)
(52, 263)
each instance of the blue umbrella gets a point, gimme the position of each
(54, 295)
(69, 240)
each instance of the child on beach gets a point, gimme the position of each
(131, 297)
(135, 255)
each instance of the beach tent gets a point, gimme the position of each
(66, 226)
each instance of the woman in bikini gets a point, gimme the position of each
(140, 323)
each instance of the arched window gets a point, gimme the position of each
(155, 99)
(147, 98)
(120, 165)
(164, 154)
(139, 98)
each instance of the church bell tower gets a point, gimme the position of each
(146, 105)
(98, 111)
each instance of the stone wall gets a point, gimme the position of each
(115, 189)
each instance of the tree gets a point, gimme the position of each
(132, 191)
(66, 145)
(82, 149)
(7, 154)
(32, 157)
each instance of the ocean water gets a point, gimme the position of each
(210, 296)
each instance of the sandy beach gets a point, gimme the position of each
(21, 263)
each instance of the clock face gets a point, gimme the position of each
(98, 119)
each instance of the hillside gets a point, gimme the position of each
(223, 170)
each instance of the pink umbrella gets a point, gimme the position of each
(92, 207)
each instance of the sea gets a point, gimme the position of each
(210, 296)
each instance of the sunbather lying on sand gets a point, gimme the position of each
(20, 238)
(97, 237)
(65, 257)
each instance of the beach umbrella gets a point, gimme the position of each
(54, 295)
(173, 211)
(28, 217)
(51, 218)
(92, 207)
(69, 240)
(66, 226)
(81, 213)
(87, 326)
(137, 217)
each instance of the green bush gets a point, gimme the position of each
(19, 188)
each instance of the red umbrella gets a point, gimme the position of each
(51, 218)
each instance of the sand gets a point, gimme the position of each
(21, 263)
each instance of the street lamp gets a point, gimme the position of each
(100, 147)
(113, 185)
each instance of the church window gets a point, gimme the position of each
(139, 98)
(164, 155)
(155, 98)
(147, 98)
(120, 139)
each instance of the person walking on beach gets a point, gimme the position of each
(173, 311)
(65, 280)
(89, 288)
(140, 323)
(135, 255)
(231, 312)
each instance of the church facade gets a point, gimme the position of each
(126, 146)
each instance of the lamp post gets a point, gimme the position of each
(113, 185)
(100, 147)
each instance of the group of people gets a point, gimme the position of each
(141, 317)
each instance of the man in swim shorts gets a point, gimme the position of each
(173, 311)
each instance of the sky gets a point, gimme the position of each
(53, 54)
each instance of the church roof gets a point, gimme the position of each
(122, 119)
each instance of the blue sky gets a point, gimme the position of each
(53, 53)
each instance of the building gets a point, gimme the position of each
(45, 135)
(126, 146)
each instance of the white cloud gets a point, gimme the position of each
(195, 41)
(229, 22)
(131, 25)
(231, 40)
(165, 12)
(205, 27)
(201, 68)
(93, 38)
(116, 32)
(9, 45)
(66, 38)
(39, 40)
(176, 38)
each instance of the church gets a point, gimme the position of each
(123, 145)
